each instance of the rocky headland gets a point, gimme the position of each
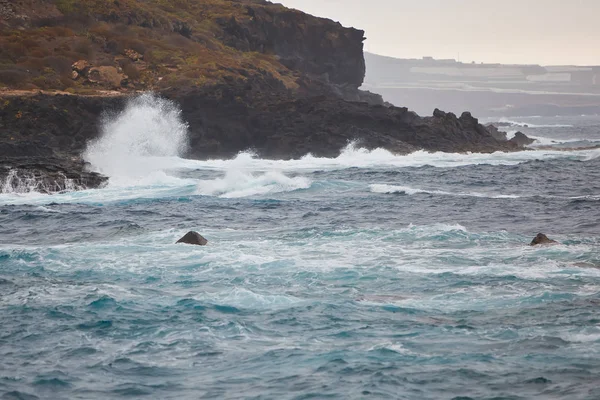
(247, 74)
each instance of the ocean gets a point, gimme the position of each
(367, 276)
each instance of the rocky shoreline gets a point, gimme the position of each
(296, 93)
(45, 135)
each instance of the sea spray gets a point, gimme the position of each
(140, 139)
(140, 145)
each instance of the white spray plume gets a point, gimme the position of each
(140, 139)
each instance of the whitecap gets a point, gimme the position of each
(393, 189)
(237, 184)
(530, 125)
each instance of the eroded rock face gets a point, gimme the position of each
(542, 239)
(315, 46)
(193, 238)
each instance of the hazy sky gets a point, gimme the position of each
(507, 31)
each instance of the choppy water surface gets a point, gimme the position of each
(365, 276)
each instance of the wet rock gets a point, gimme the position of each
(542, 239)
(521, 139)
(46, 175)
(193, 238)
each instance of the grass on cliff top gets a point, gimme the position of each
(180, 41)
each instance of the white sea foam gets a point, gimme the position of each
(394, 189)
(530, 125)
(353, 157)
(140, 150)
(572, 142)
(244, 184)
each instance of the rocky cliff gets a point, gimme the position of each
(129, 45)
(247, 74)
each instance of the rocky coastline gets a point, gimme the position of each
(299, 95)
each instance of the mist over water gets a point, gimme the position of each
(368, 275)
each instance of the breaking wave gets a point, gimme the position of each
(530, 125)
(354, 157)
(240, 184)
(393, 189)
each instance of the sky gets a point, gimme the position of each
(547, 32)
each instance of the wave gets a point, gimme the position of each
(530, 125)
(392, 189)
(354, 157)
(564, 143)
(237, 184)
(140, 150)
(406, 190)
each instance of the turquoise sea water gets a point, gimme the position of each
(366, 276)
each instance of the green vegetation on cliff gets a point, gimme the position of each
(158, 44)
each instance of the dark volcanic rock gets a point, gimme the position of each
(46, 175)
(521, 139)
(314, 46)
(42, 138)
(542, 239)
(496, 133)
(193, 238)
(229, 118)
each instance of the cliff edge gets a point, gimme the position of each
(248, 74)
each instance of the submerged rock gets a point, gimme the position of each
(542, 239)
(193, 238)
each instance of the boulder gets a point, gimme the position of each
(521, 139)
(106, 76)
(133, 55)
(81, 66)
(193, 238)
(542, 239)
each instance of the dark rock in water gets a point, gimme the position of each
(542, 239)
(521, 139)
(496, 133)
(46, 175)
(193, 238)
